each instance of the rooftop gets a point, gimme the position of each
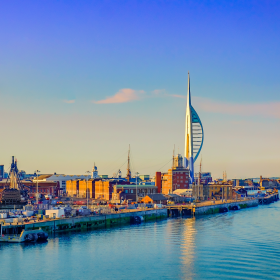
(157, 196)
(134, 186)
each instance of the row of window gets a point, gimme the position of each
(179, 186)
(41, 191)
(141, 191)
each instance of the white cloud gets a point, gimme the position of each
(177, 95)
(158, 91)
(122, 96)
(269, 109)
(69, 101)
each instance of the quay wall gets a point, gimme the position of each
(92, 222)
(213, 209)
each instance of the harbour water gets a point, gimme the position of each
(235, 245)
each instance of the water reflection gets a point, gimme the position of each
(188, 248)
(236, 245)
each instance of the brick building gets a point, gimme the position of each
(81, 188)
(125, 192)
(176, 178)
(104, 189)
(213, 191)
(43, 187)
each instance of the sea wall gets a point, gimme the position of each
(92, 222)
(218, 208)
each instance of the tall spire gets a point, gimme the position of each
(188, 157)
(128, 174)
(188, 129)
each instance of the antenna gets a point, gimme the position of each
(173, 164)
(199, 174)
(128, 174)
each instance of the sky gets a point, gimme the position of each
(80, 81)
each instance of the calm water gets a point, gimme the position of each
(236, 245)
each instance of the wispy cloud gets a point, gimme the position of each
(269, 109)
(177, 95)
(158, 91)
(122, 96)
(163, 93)
(69, 101)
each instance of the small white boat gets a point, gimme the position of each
(34, 235)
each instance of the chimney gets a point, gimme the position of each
(158, 181)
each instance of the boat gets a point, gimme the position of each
(34, 235)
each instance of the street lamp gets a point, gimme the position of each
(136, 187)
(37, 171)
(87, 172)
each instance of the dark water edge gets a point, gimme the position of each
(234, 245)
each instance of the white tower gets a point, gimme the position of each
(193, 135)
(94, 172)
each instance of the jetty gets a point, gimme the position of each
(218, 206)
(269, 198)
(85, 222)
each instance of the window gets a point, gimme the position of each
(126, 191)
(131, 191)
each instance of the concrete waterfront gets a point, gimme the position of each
(118, 219)
(208, 207)
(86, 222)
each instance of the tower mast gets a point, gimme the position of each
(128, 174)
(188, 157)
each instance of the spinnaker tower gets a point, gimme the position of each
(194, 135)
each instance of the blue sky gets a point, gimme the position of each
(65, 64)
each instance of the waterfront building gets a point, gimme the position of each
(243, 182)
(175, 198)
(128, 191)
(44, 188)
(103, 190)
(81, 188)
(49, 187)
(176, 178)
(205, 178)
(269, 183)
(194, 135)
(212, 191)
(60, 178)
(184, 192)
(72, 188)
(155, 199)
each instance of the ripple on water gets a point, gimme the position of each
(234, 245)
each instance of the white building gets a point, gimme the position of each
(94, 172)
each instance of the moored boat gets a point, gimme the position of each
(34, 235)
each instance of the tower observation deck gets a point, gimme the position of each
(194, 135)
